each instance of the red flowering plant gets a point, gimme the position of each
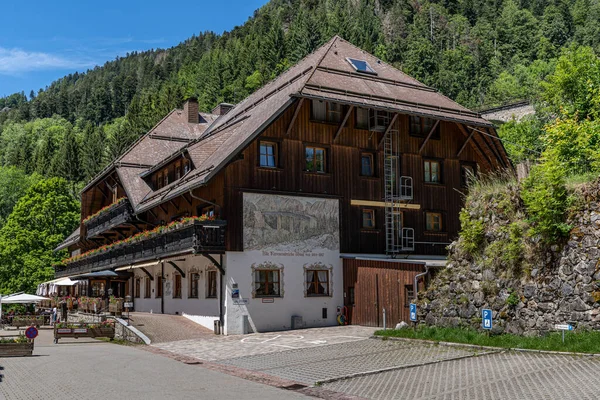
(104, 209)
(141, 236)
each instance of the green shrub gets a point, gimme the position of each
(471, 233)
(513, 299)
(514, 250)
(546, 199)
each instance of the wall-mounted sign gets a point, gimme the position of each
(486, 317)
(235, 293)
(271, 300)
(240, 302)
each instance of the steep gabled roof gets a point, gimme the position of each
(170, 135)
(324, 74)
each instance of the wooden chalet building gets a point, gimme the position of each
(333, 185)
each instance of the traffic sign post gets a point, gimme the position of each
(563, 328)
(486, 317)
(31, 332)
(413, 312)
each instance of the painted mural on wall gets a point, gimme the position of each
(290, 223)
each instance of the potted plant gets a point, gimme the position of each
(17, 346)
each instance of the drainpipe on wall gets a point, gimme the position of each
(162, 288)
(416, 284)
(221, 299)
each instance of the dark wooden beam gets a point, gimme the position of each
(99, 187)
(392, 122)
(186, 199)
(296, 112)
(177, 268)
(147, 273)
(339, 130)
(464, 146)
(153, 213)
(114, 181)
(162, 207)
(109, 186)
(429, 135)
(477, 148)
(215, 262)
(499, 149)
(174, 205)
(484, 138)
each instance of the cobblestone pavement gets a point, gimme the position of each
(339, 360)
(89, 369)
(212, 347)
(168, 328)
(508, 375)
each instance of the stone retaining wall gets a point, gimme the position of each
(564, 287)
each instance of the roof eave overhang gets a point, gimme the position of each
(227, 160)
(423, 113)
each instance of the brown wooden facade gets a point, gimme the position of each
(343, 179)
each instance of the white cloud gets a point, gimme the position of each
(15, 61)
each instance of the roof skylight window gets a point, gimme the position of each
(361, 66)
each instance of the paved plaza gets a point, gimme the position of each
(330, 363)
(346, 360)
(89, 369)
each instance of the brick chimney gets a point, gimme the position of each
(222, 109)
(190, 109)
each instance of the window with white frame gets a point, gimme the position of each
(317, 279)
(194, 278)
(176, 286)
(136, 291)
(211, 284)
(147, 287)
(267, 280)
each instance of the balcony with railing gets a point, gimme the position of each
(193, 235)
(110, 217)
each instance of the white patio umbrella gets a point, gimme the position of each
(21, 298)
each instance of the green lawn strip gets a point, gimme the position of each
(577, 342)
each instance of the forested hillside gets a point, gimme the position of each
(479, 53)
(476, 52)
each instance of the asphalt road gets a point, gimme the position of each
(90, 369)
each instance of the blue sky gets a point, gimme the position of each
(43, 40)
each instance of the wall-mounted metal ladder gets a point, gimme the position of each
(397, 189)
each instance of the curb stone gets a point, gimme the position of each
(475, 346)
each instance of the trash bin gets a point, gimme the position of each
(217, 327)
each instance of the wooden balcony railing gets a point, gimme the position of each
(119, 214)
(194, 237)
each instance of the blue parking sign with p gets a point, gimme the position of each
(413, 312)
(486, 316)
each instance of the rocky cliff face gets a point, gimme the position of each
(529, 286)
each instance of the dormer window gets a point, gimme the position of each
(361, 66)
(186, 166)
(159, 180)
(177, 170)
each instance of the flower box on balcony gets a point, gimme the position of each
(190, 234)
